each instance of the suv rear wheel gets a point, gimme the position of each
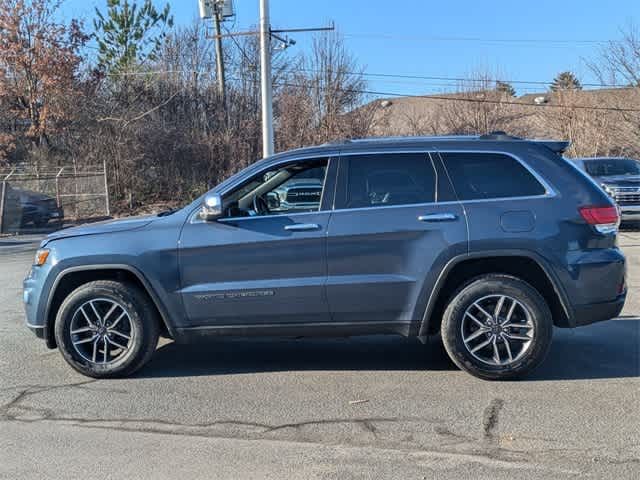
(107, 329)
(497, 327)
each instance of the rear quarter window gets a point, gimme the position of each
(479, 176)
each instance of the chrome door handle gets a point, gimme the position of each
(302, 227)
(438, 217)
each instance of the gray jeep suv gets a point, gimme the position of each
(490, 241)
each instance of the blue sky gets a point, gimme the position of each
(521, 40)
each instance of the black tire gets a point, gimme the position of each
(144, 328)
(488, 285)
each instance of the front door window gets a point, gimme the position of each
(294, 188)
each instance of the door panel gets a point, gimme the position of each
(381, 260)
(255, 270)
(384, 260)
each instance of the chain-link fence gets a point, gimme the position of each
(34, 200)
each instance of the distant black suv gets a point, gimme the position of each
(491, 241)
(26, 207)
(620, 178)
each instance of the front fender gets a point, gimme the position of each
(150, 254)
(159, 299)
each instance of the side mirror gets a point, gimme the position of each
(211, 207)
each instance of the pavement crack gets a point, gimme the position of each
(490, 417)
(369, 427)
(26, 391)
(331, 421)
(15, 401)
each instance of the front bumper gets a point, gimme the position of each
(33, 288)
(598, 312)
(629, 212)
(57, 214)
(37, 331)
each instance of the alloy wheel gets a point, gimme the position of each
(497, 330)
(101, 331)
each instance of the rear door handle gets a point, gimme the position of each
(438, 217)
(302, 227)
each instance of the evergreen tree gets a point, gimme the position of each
(129, 34)
(565, 81)
(507, 88)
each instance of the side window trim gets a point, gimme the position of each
(549, 191)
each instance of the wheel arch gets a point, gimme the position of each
(73, 277)
(525, 265)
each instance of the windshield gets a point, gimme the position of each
(608, 167)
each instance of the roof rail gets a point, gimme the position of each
(498, 135)
(340, 141)
(556, 146)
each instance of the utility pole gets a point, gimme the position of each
(265, 80)
(219, 57)
(265, 33)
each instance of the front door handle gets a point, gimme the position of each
(438, 217)
(302, 227)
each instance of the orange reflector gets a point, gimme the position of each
(41, 256)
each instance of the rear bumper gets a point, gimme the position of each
(594, 281)
(598, 312)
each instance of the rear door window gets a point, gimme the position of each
(479, 176)
(379, 180)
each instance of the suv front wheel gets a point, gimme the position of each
(497, 327)
(107, 329)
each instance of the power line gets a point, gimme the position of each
(399, 76)
(399, 95)
(523, 41)
(460, 79)
(444, 83)
(456, 99)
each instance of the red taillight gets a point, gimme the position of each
(604, 219)
(600, 215)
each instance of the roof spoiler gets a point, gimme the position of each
(556, 146)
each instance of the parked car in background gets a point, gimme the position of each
(620, 178)
(25, 207)
(490, 241)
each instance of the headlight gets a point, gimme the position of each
(41, 257)
(610, 191)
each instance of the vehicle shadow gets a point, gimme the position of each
(606, 350)
(253, 355)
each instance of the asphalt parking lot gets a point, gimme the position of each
(360, 408)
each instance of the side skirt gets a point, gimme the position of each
(327, 329)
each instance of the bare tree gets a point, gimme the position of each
(479, 107)
(323, 97)
(619, 63)
(575, 119)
